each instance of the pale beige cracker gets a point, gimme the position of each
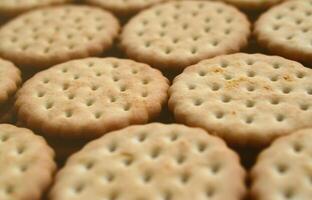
(10, 8)
(174, 35)
(253, 4)
(26, 164)
(154, 161)
(247, 99)
(284, 170)
(124, 7)
(48, 36)
(10, 79)
(86, 98)
(286, 30)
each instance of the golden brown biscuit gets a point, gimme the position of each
(247, 99)
(88, 97)
(154, 161)
(48, 36)
(26, 164)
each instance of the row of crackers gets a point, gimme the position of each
(79, 99)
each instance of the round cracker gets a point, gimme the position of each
(122, 7)
(154, 161)
(284, 170)
(10, 79)
(253, 4)
(177, 34)
(248, 99)
(9, 8)
(86, 98)
(286, 30)
(26, 164)
(48, 36)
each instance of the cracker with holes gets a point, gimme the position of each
(174, 35)
(10, 8)
(86, 98)
(253, 4)
(26, 164)
(124, 7)
(48, 36)
(247, 99)
(286, 30)
(284, 170)
(155, 162)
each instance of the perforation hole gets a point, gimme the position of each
(174, 137)
(228, 77)
(250, 104)
(191, 87)
(9, 189)
(219, 115)
(201, 147)
(194, 50)
(68, 113)
(98, 115)
(49, 105)
(276, 65)
(41, 94)
(274, 78)
(297, 147)
(281, 168)
(142, 137)
(147, 177)
(123, 88)
(249, 120)
(167, 196)
(286, 90)
(309, 91)
(71, 96)
(145, 81)
(180, 159)
(215, 87)
(224, 64)
(21, 149)
(300, 75)
(185, 177)
(90, 102)
(46, 81)
(127, 107)
(79, 188)
(251, 74)
(202, 73)
(94, 87)
(215, 168)
(250, 88)
(155, 153)
(280, 117)
(289, 193)
(128, 161)
(4, 138)
(198, 102)
(89, 165)
(210, 192)
(226, 99)
(65, 86)
(304, 107)
(109, 177)
(112, 147)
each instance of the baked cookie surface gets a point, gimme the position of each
(48, 36)
(26, 164)
(247, 99)
(283, 171)
(86, 98)
(174, 35)
(154, 161)
(286, 30)
(122, 7)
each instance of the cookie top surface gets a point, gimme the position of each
(10, 79)
(253, 4)
(52, 35)
(88, 97)
(122, 7)
(177, 34)
(24, 173)
(154, 161)
(14, 7)
(286, 30)
(284, 170)
(248, 99)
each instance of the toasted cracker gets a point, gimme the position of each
(174, 35)
(48, 36)
(88, 97)
(284, 170)
(122, 7)
(248, 99)
(154, 161)
(10, 8)
(286, 30)
(10, 79)
(26, 164)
